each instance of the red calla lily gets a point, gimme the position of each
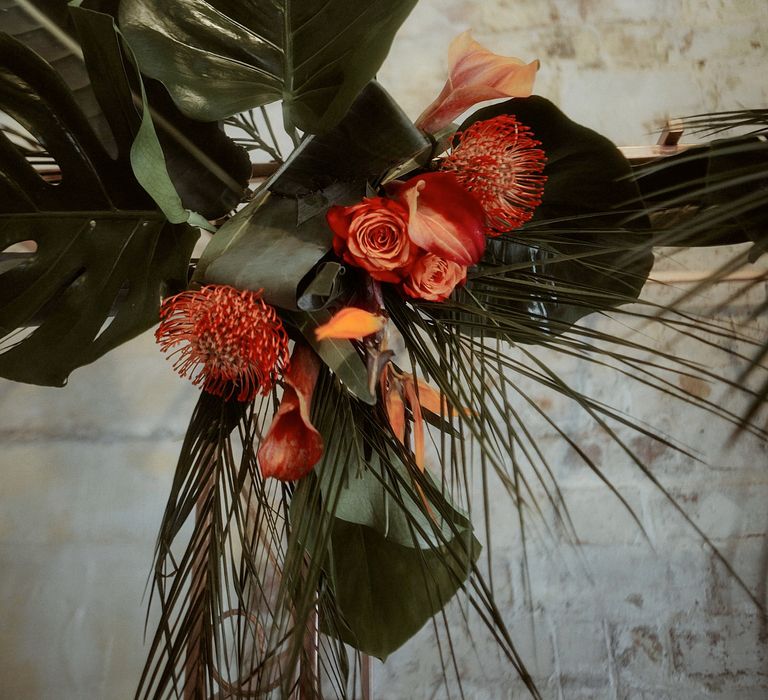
(292, 445)
(443, 217)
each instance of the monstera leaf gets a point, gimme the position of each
(586, 247)
(221, 57)
(100, 241)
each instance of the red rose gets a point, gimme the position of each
(374, 235)
(434, 278)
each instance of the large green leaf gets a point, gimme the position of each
(221, 57)
(374, 135)
(391, 563)
(117, 89)
(585, 249)
(100, 240)
(386, 591)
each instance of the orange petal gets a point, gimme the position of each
(418, 423)
(430, 398)
(395, 408)
(292, 445)
(476, 74)
(350, 323)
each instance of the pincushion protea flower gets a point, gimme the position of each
(499, 162)
(232, 341)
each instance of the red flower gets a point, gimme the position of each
(292, 445)
(434, 278)
(443, 217)
(498, 161)
(373, 235)
(233, 341)
(476, 74)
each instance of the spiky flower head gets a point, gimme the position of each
(498, 161)
(229, 340)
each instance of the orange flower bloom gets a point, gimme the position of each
(232, 342)
(498, 161)
(434, 278)
(292, 445)
(476, 74)
(350, 323)
(373, 235)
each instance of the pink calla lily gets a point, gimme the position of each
(443, 218)
(476, 75)
(292, 445)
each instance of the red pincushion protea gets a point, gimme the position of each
(499, 162)
(233, 341)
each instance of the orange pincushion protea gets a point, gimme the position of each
(498, 161)
(233, 341)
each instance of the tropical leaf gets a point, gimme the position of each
(388, 573)
(221, 57)
(99, 238)
(724, 185)
(208, 172)
(207, 169)
(581, 252)
(267, 249)
(51, 33)
(374, 135)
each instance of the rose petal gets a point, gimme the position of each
(292, 445)
(350, 323)
(443, 218)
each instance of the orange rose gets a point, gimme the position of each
(374, 235)
(434, 278)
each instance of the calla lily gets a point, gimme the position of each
(292, 445)
(350, 323)
(475, 75)
(443, 218)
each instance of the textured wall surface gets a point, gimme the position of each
(85, 470)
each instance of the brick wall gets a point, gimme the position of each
(86, 469)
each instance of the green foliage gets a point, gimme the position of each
(221, 57)
(580, 253)
(99, 239)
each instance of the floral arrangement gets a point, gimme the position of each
(344, 323)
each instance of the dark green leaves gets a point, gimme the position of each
(579, 253)
(100, 241)
(87, 264)
(222, 57)
(387, 579)
(391, 560)
(266, 248)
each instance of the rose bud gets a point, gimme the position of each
(433, 278)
